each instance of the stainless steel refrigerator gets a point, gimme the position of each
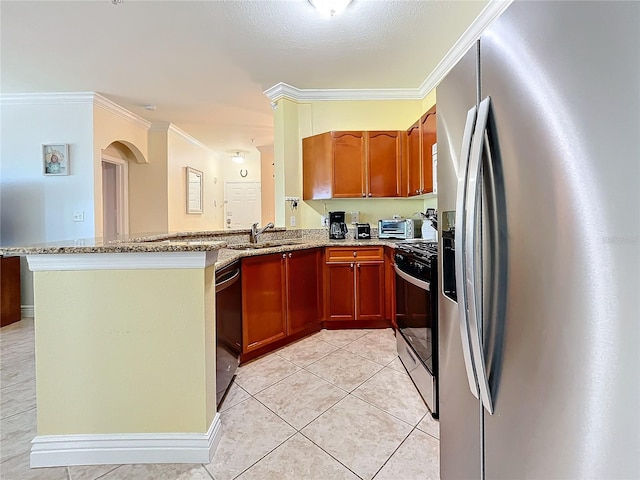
(539, 197)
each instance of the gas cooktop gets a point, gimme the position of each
(419, 249)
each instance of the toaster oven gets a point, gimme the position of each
(402, 228)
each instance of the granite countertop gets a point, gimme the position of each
(280, 240)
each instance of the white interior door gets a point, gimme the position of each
(242, 204)
(115, 208)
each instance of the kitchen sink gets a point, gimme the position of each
(258, 246)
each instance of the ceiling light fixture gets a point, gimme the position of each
(330, 8)
(116, 2)
(237, 158)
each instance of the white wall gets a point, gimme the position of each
(35, 208)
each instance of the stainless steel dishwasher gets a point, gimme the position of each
(228, 327)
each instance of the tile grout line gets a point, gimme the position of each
(334, 458)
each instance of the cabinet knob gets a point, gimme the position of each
(358, 265)
(351, 265)
(369, 194)
(284, 255)
(363, 194)
(355, 254)
(290, 255)
(418, 192)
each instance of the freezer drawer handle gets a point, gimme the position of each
(460, 251)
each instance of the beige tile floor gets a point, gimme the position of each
(335, 405)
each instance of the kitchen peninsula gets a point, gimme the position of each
(125, 351)
(125, 342)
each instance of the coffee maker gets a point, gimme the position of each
(337, 226)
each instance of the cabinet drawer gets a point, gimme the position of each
(348, 254)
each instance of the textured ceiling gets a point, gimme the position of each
(205, 64)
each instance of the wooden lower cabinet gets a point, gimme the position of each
(303, 289)
(355, 283)
(9, 290)
(263, 301)
(280, 297)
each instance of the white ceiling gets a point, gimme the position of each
(205, 64)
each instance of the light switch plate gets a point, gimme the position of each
(355, 217)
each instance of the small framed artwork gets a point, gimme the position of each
(194, 190)
(55, 159)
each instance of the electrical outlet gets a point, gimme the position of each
(324, 221)
(292, 221)
(355, 217)
(78, 216)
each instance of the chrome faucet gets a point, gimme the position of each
(253, 236)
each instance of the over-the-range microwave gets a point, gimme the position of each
(401, 228)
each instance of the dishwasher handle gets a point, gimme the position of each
(227, 279)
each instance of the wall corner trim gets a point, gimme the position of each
(113, 449)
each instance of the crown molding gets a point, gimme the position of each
(187, 137)
(111, 107)
(46, 98)
(284, 90)
(493, 9)
(66, 98)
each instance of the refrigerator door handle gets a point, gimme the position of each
(473, 260)
(460, 248)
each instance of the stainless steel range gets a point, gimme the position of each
(417, 315)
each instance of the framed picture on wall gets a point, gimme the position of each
(55, 159)
(194, 190)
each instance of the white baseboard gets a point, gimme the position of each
(116, 449)
(26, 311)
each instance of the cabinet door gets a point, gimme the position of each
(389, 286)
(341, 291)
(263, 301)
(370, 291)
(384, 163)
(348, 164)
(302, 289)
(429, 137)
(316, 167)
(413, 160)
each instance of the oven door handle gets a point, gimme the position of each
(412, 280)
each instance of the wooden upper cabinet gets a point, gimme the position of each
(413, 159)
(384, 155)
(348, 164)
(352, 164)
(317, 167)
(419, 162)
(429, 138)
